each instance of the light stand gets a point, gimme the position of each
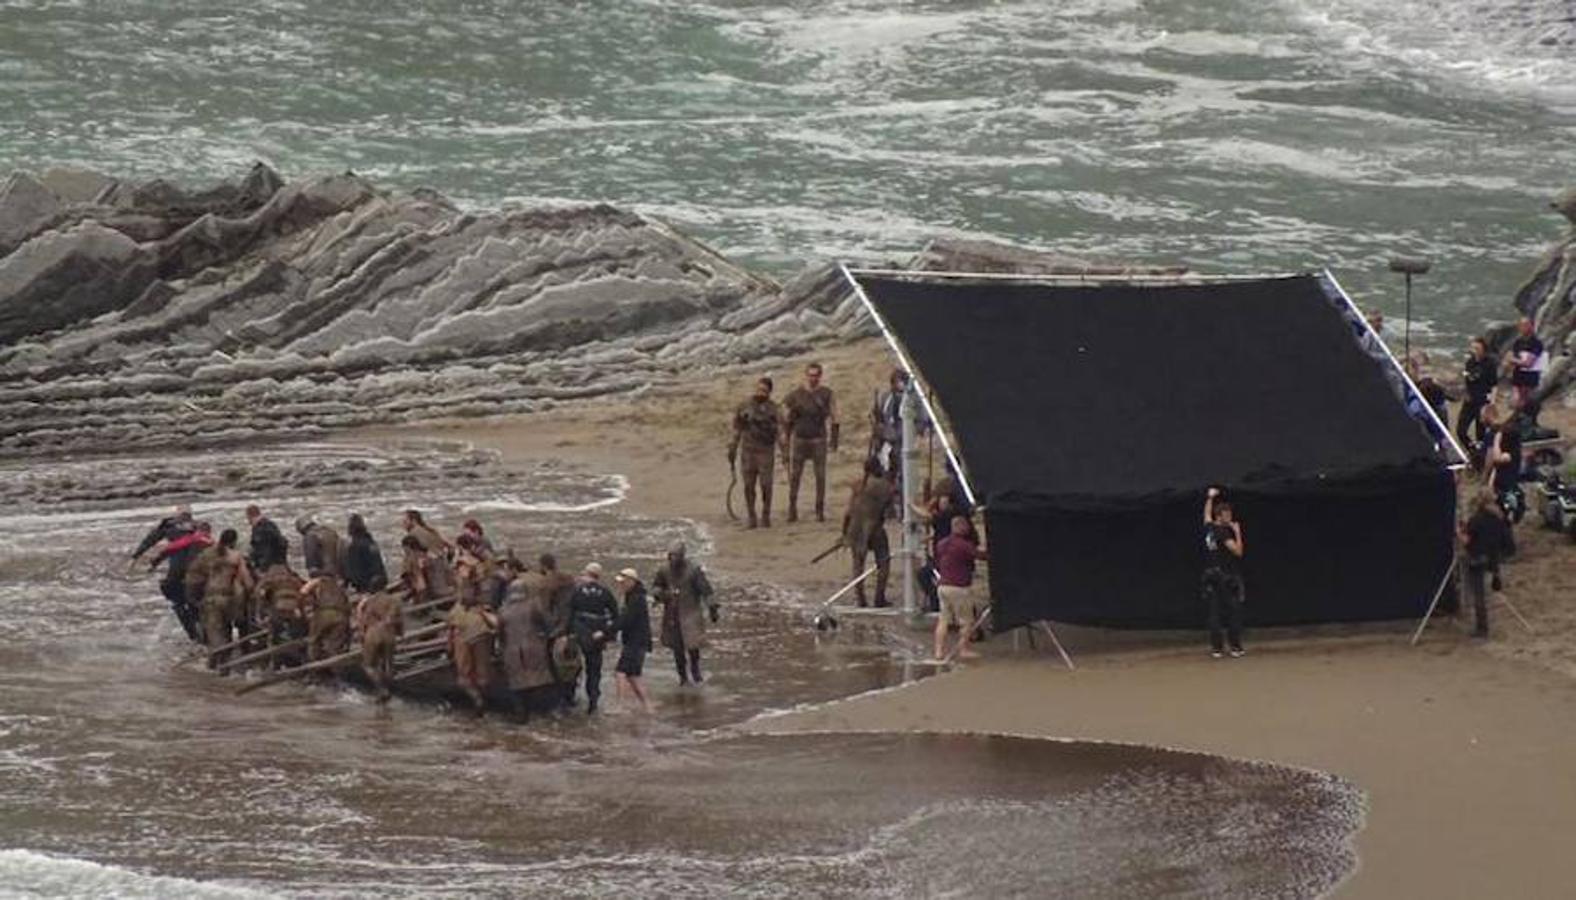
(1408, 266)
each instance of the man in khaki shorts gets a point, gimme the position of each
(955, 558)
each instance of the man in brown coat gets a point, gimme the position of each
(755, 429)
(381, 622)
(525, 637)
(809, 426)
(686, 597)
(864, 528)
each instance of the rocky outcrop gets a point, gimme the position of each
(1548, 297)
(146, 314)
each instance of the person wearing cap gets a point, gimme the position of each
(683, 590)
(593, 616)
(320, 548)
(634, 637)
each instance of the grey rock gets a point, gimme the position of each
(146, 314)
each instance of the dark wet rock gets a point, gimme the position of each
(1548, 297)
(137, 314)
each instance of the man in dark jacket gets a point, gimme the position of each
(593, 615)
(269, 547)
(1478, 379)
(1485, 539)
(363, 559)
(181, 546)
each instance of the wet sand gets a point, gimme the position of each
(1464, 749)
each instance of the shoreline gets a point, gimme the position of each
(1462, 750)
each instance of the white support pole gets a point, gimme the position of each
(1058, 644)
(845, 589)
(908, 410)
(1443, 582)
(913, 374)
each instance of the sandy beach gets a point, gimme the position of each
(1463, 748)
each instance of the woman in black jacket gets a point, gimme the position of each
(363, 562)
(1479, 377)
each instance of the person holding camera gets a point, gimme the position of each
(1223, 588)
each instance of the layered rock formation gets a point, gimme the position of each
(145, 315)
(1549, 298)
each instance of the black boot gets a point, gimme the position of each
(678, 663)
(694, 661)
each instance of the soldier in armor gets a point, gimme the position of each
(278, 599)
(229, 583)
(380, 621)
(471, 628)
(320, 548)
(755, 429)
(327, 611)
(810, 427)
(864, 528)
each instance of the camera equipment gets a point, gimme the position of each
(1408, 266)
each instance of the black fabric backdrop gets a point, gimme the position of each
(1090, 418)
(1120, 391)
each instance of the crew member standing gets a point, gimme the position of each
(755, 429)
(810, 427)
(634, 637)
(1485, 538)
(864, 529)
(1525, 357)
(1479, 378)
(1223, 588)
(956, 555)
(593, 614)
(686, 597)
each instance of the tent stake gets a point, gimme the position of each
(1443, 582)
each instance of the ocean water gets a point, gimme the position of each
(1234, 135)
(125, 774)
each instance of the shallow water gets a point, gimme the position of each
(1237, 135)
(123, 775)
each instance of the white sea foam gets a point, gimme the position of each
(26, 874)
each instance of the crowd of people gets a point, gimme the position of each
(528, 633)
(801, 430)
